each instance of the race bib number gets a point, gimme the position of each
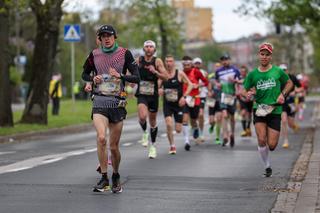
(110, 86)
(264, 109)
(211, 102)
(171, 95)
(227, 99)
(146, 88)
(190, 101)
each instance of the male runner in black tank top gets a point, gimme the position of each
(174, 99)
(150, 69)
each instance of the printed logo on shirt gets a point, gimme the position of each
(266, 84)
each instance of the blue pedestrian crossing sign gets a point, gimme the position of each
(72, 33)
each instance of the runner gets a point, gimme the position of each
(215, 114)
(197, 62)
(289, 108)
(151, 69)
(264, 84)
(109, 64)
(301, 97)
(174, 99)
(191, 109)
(245, 106)
(226, 78)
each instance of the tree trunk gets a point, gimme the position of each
(6, 118)
(48, 18)
(163, 31)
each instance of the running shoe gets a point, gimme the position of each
(268, 172)
(295, 128)
(102, 185)
(172, 150)
(249, 134)
(217, 141)
(196, 133)
(211, 128)
(225, 141)
(116, 185)
(144, 140)
(285, 144)
(231, 141)
(152, 152)
(243, 133)
(187, 147)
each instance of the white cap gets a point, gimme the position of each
(149, 43)
(299, 76)
(197, 60)
(283, 66)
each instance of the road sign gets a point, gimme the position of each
(72, 33)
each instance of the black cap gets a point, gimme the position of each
(107, 29)
(225, 56)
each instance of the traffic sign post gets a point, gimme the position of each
(72, 34)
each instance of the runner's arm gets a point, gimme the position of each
(88, 69)
(186, 80)
(161, 72)
(131, 65)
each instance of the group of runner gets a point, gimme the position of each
(185, 92)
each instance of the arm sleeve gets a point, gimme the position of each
(131, 65)
(203, 79)
(88, 68)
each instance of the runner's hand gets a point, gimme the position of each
(281, 99)
(152, 68)
(182, 101)
(88, 87)
(98, 79)
(114, 73)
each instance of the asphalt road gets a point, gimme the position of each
(56, 174)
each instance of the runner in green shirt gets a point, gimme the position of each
(264, 84)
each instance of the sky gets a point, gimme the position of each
(227, 25)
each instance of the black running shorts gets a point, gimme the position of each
(272, 120)
(175, 110)
(114, 115)
(215, 109)
(193, 111)
(202, 103)
(152, 102)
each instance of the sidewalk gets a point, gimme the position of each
(302, 194)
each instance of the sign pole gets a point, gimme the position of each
(72, 71)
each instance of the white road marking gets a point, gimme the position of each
(127, 144)
(37, 161)
(5, 153)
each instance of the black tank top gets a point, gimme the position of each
(146, 75)
(174, 84)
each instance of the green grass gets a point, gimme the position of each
(70, 114)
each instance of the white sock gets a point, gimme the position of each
(186, 133)
(264, 153)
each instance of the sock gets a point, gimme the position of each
(143, 125)
(153, 133)
(185, 129)
(218, 127)
(243, 122)
(264, 153)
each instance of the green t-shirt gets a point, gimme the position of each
(268, 86)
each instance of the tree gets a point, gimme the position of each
(6, 118)
(305, 13)
(156, 20)
(48, 16)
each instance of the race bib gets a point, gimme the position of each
(171, 95)
(110, 86)
(146, 88)
(264, 109)
(211, 102)
(190, 101)
(227, 99)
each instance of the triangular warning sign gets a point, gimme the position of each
(72, 34)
